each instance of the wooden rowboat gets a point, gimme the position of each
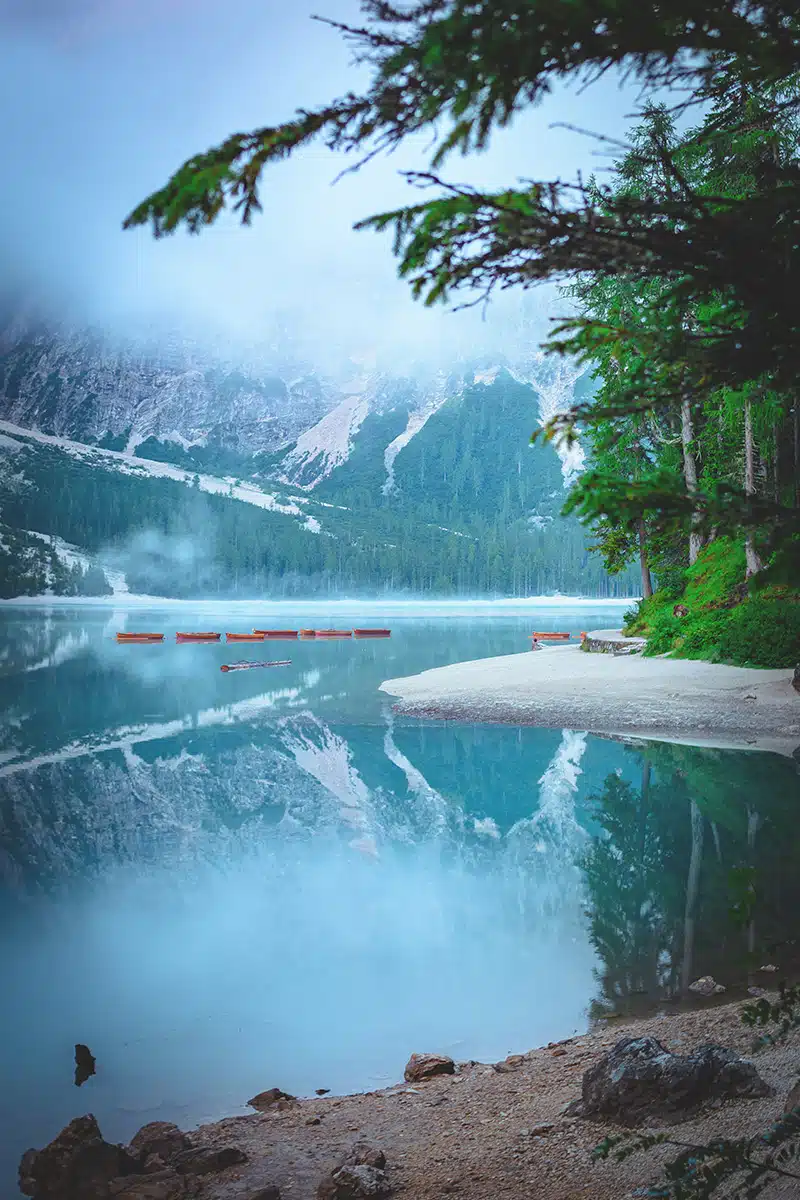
(140, 637)
(197, 637)
(333, 633)
(308, 633)
(372, 633)
(248, 666)
(244, 637)
(551, 637)
(277, 633)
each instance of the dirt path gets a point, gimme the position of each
(489, 1131)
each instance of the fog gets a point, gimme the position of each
(105, 98)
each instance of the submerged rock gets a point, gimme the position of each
(793, 1099)
(639, 1079)
(84, 1064)
(424, 1066)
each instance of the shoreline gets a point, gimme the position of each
(488, 1129)
(661, 699)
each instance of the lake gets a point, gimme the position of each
(225, 882)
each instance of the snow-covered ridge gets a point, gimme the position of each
(416, 421)
(129, 464)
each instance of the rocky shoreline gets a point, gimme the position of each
(519, 1128)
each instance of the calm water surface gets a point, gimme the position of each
(227, 882)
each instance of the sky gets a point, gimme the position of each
(103, 99)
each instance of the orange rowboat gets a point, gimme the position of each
(140, 637)
(197, 637)
(372, 633)
(334, 633)
(551, 637)
(308, 633)
(244, 637)
(277, 633)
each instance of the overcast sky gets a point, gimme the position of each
(103, 99)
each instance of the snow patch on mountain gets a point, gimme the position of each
(129, 464)
(327, 444)
(416, 421)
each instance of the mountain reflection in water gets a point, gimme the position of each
(221, 886)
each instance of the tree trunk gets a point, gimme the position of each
(797, 452)
(692, 891)
(690, 471)
(753, 562)
(647, 582)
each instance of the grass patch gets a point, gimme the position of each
(724, 621)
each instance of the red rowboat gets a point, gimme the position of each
(334, 633)
(277, 633)
(197, 637)
(244, 637)
(372, 632)
(140, 637)
(551, 637)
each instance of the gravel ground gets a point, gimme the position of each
(563, 687)
(474, 1135)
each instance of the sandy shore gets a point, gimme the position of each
(562, 687)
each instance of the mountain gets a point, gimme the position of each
(176, 471)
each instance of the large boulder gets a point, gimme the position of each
(424, 1066)
(203, 1160)
(77, 1165)
(639, 1080)
(160, 1138)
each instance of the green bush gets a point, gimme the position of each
(724, 622)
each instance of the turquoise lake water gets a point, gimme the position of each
(223, 883)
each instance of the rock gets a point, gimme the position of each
(159, 1139)
(314, 1121)
(640, 1079)
(362, 1155)
(322, 1091)
(77, 1165)
(164, 1185)
(793, 1099)
(270, 1192)
(769, 967)
(272, 1098)
(796, 679)
(706, 985)
(424, 1066)
(204, 1159)
(354, 1183)
(558, 1052)
(84, 1064)
(680, 610)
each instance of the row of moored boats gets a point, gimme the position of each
(258, 635)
